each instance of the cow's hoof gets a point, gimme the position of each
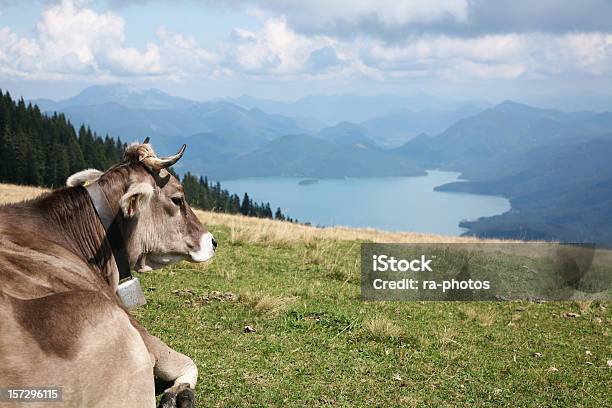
(168, 400)
(178, 397)
(185, 399)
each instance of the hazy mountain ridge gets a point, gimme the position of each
(566, 194)
(332, 109)
(128, 96)
(554, 168)
(307, 156)
(218, 132)
(384, 120)
(552, 165)
(400, 126)
(135, 114)
(345, 133)
(506, 128)
(390, 120)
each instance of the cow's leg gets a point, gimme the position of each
(174, 367)
(141, 264)
(170, 365)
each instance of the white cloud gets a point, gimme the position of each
(323, 59)
(321, 14)
(16, 54)
(493, 56)
(72, 41)
(181, 55)
(395, 20)
(586, 52)
(275, 49)
(498, 56)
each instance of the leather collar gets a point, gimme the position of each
(111, 226)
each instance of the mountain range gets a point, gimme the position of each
(556, 192)
(506, 128)
(308, 156)
(132, 115)
(124, 95)
(551, 165)
(220, 130)
(331, 109)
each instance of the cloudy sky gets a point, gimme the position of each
(532, 50)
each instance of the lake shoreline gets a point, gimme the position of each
(389, 203)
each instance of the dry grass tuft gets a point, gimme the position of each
(486, 319)
(266, 304)
(339, 264)
(481, 317)
(584, 306)
(12, 193)
(447, 336)
(250, 230)
(381, 328)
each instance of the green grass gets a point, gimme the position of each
(316, 343)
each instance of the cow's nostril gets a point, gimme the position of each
(214, 242)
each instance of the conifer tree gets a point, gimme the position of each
(278, 215)
(43, 150)
(245, 207)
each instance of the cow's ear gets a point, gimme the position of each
(83, 177)
(135, 199)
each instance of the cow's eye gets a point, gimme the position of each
(178, 201)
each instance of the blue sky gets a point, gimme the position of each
(458, 49)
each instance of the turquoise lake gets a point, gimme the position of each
(389, 203)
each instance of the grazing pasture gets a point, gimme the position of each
(276, 319)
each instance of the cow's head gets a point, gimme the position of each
(159, 226)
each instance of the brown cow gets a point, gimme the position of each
(61, 322)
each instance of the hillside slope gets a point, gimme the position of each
(553, 166)
(260, 230)
(307, 156)
(315, 343)
(563, 192)
(507, 128)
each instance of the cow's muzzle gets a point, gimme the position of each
(206, 250)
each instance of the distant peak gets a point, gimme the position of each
(345, 123)
(119, 89)
(130, 96)
(510, 104)
(519, 108)
(105, 87)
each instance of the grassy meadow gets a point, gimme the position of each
(276, 320)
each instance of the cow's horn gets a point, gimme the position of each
(146, 141)
(157, 163)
